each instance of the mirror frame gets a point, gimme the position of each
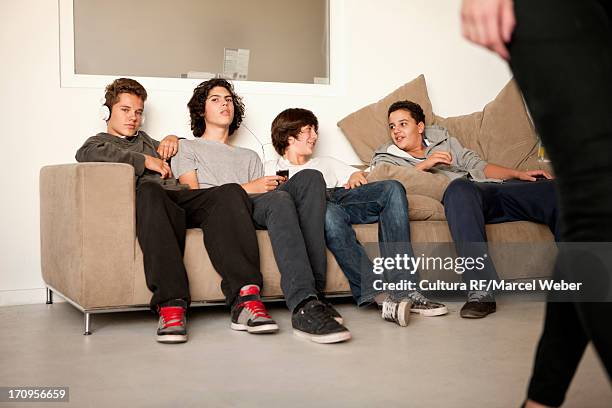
(336, 86)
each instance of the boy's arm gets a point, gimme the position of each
(191, 179)
(505, 173)
(96, 149)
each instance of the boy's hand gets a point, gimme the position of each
(533, 175)
(158, 165)
(357, 179)
(168, 147)
(263, 184)
(435, 158)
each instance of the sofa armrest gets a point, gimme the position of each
(88, 232)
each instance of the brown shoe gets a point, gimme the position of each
(477, 309)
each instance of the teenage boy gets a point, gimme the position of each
(164, 211)
(352, 200)
(469, 201)
(293, 213)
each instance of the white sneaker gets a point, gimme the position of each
(397, 311)
(424, 306)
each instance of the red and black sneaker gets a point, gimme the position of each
(249, 313)
(172, 327)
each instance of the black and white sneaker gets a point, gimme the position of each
(312, 321)
(424, 306)
(331, 310)
(396, 311)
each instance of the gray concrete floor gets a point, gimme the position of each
(434, 362)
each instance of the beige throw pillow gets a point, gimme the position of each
(414, 181)
(366, 129)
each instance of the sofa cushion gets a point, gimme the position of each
(366, 129)
(501, 134)
(414, 181)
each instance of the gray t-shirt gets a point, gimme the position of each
(216, 163)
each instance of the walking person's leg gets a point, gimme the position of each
(569, 103)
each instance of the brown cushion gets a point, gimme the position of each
(414, 181)
(366, 129)
(502, 133)
(421, 208)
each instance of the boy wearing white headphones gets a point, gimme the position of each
(164, 210)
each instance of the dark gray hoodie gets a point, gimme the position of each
(105, 147)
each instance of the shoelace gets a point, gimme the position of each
(172, 315)
(256, 308)
(477, 296)
(319, 316)
(417, 298)
(389, 310)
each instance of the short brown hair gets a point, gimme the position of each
(123, 85)
(289, 123)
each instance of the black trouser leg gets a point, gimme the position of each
(561, 55)
(160, 227)
(466, 208)
(307, 188)
(225, 215)
(279, 213)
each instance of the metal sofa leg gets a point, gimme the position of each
(49, 296)
(87, 322)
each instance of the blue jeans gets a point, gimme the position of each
(383, 202)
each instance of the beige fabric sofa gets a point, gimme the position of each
(91, 257)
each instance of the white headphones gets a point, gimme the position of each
(105, 112)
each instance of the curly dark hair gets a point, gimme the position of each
(123, 85)
(414, 108)
(197, 104)
(289, 123)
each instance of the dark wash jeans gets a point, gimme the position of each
(294, 216)
(470, 205)
(561, 56)
(383, 202)
(223, 213)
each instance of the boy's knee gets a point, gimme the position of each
(459, 188)
(310, 176)
(335, 220)
(149, 190)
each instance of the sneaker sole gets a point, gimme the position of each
(262, 329)
(171, 338)
(431, 312)
(403, 313)
(471, 315)
(324, 338)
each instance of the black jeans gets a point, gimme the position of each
(223, 213)
(561, 56)
(470, 205)
(294, 215)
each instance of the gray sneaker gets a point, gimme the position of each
(172, 327)
(424, 306)
(396, 311)
(249, 313)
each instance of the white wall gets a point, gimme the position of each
(388, 42)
